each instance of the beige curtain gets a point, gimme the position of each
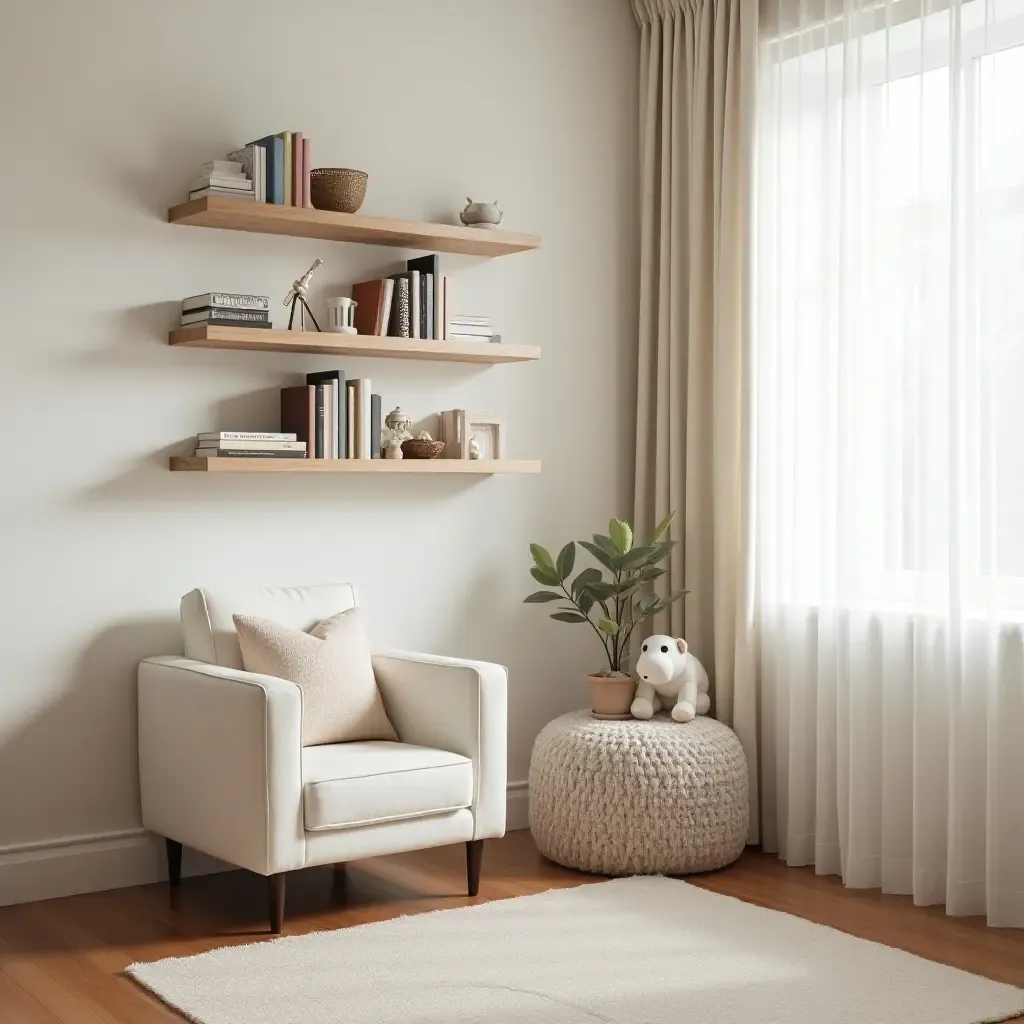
(698, 63)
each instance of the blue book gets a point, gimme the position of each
(274, 145)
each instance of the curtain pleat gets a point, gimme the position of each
(698, 67)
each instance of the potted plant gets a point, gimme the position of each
(612, 607)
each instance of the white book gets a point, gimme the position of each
(351, 452)
(414, 303)
(250, 159)
(234, 193)
(254, 446)
(482, 332)
(461, 318)
(385, 316)
(363, 418)
(246, 435)
(439, 307)
(228, 166)
(240, 184)
(331, 411)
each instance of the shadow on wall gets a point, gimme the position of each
(79, 753)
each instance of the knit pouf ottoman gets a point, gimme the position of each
(638, 798)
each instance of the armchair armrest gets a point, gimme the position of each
(453, 705)
(220, 762)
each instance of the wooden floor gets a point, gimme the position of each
(61, 961)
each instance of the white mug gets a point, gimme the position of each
(341, 312)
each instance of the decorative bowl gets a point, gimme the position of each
(340, 189)
(414, 448)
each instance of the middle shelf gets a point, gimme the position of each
(324, 343)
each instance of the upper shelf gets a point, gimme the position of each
(260, 339)
(304, 222)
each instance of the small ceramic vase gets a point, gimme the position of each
(399, 422)
(474, 448)
(481, 215)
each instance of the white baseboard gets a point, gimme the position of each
(517, 812)
(114, 860)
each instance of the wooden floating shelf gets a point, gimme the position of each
(396, 467)
(257, 339)
(305, 222)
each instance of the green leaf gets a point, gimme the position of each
(608, 626)
(645, 606)
(606, 559)
(541, 557)
(660, 529)
(566, 560)
(649, 574)
(546, 576)
(606, 545)
(568, 617)
(586, 602)
(621, 535)
(542, 597)
(639, 557)
(590, 575)
(600, 590)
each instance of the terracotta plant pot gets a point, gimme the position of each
(611, 696)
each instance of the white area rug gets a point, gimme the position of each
(631, 951)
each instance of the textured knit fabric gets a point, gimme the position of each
(633, 951)
(330, 665)
(638, 798)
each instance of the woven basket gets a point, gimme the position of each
(414, 448)
(337, 188)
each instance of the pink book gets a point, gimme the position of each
(297, 176)
(306, 168)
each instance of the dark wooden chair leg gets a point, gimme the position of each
(275, 901)
(173, 863)
(474, 858)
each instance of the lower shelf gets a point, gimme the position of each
(408, 467)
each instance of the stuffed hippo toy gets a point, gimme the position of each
(670, 678)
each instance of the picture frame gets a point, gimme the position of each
(457, 427)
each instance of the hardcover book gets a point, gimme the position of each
(289, 166)
(375, 426)
(428, 265)
(251, 160)
(341, 430)
(298, 413)
(252, 446)
(399, 326)
(234, 300)
(297, 169)
(243, 453)
(306, 168)
(230, 193)
(240, 316)
(220, 321)
(371, 298)
(245, 435)
(273, 148)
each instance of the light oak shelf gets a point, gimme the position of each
(257, 339)
(304, 222)
(397, 467)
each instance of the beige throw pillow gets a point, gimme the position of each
(331, 665)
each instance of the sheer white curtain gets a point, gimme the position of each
(889, 426)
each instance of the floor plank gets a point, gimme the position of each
(61, 961)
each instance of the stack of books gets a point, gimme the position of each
(223, 178)
(336, 417)
(409, 304)
(226, 309)
(270, 170)
(471, 328)
(249, 444)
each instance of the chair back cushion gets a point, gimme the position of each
(209, 632)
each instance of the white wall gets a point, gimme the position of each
(108, 108)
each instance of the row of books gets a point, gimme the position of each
(414, 304)
(247, 444)
(270, 170)
(226, 309)
(335, 417)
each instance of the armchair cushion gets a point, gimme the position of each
(330, 665)
(350, 784)
(209, 633)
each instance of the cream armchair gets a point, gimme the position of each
(223, 770)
